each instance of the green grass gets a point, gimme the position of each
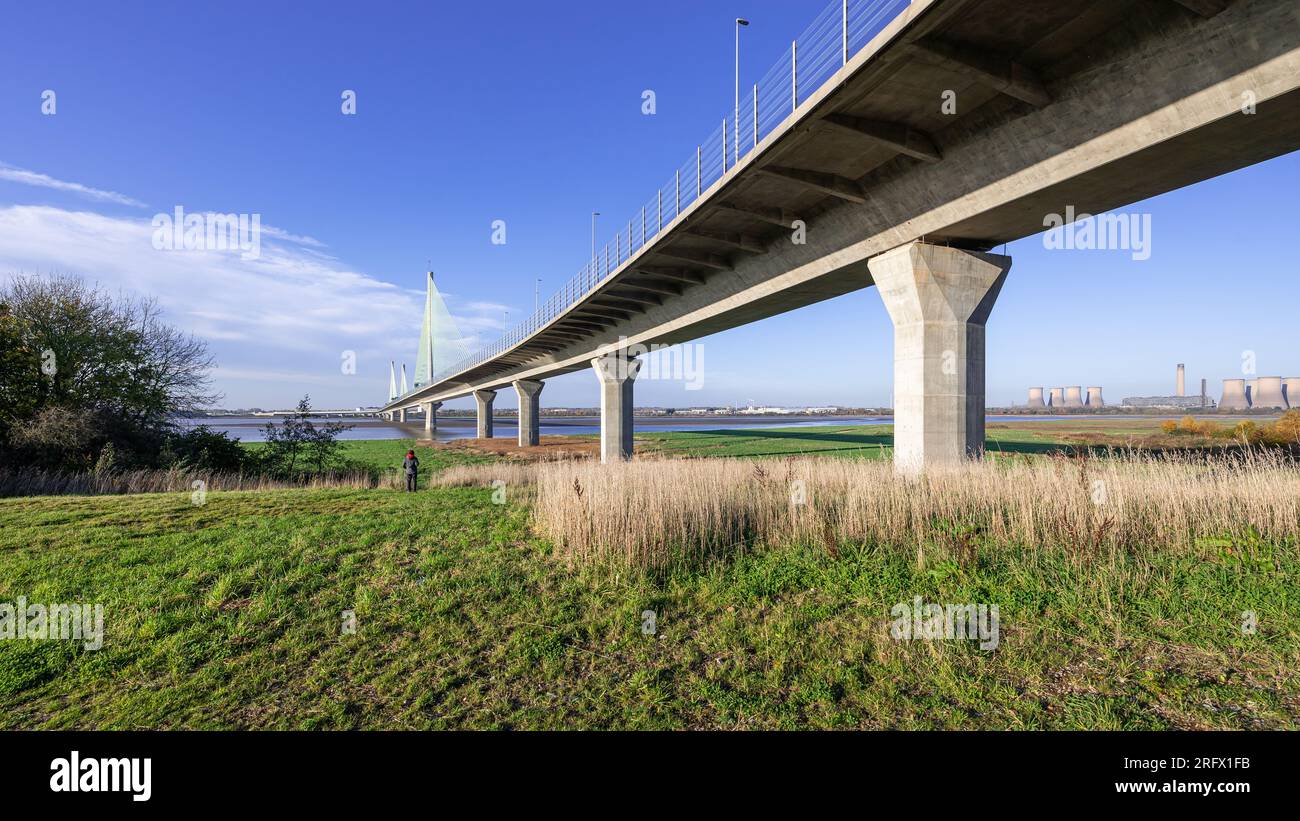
(853, 441)
(229, 616)
(387, 454)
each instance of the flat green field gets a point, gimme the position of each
(387, 454)
(231, 615)
(859, 441)
(874, 441)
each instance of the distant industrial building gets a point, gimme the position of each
(1170, 402)
(1234, 395)
(1072, 397)
(1261, 393)
(1179, 401)
(1269, 393)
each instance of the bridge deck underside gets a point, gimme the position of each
(875, 149)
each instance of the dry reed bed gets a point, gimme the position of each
(655, 514)
(37, 482)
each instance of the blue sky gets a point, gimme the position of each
(531, 114)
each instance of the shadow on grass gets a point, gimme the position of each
(1040, 448)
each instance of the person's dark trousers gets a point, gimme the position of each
(410, 482)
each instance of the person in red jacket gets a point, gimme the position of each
(412, 467)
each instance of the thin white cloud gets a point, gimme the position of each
(25, 177)
(298, 239)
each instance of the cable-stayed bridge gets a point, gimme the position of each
(895, 144)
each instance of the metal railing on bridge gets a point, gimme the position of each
(840, 31)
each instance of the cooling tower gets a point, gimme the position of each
(1234, 395)
(1074, 397)
(1291, 391)
(1182, 381)
(1036, 398)
(1268, 393)
(1094, 398)
(1057, 397)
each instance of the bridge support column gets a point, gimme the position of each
(401, 416)
(939, 299)
(530, 405)
(431, 416)
(616, 373)
(483, 401)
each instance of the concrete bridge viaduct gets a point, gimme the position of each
(957, 126)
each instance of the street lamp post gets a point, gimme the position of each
(594, 214)
(740, 21)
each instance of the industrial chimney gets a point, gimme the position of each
(1234, 395)
(1182, 380)
(1036, 398)
(1074, 397)
(1268, 394)
(1057, 397)
(1291, 391)
(1205, 399)
(1094, 398)
(1252, 388)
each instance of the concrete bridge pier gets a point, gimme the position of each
(939, 299)
(483, 402)
(431, 416)
(616, 373)
(530, 406)
(401, 416)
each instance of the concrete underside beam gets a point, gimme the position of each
(939, 299)
(483, 404)
(616, 373)
(530, 406)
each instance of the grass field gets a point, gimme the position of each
(231, 614)
(857, 441)
(874, 441)
(387, 454)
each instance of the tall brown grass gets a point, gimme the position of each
(38, 482)
(658, 514)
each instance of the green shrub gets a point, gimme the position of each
(202, 448)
